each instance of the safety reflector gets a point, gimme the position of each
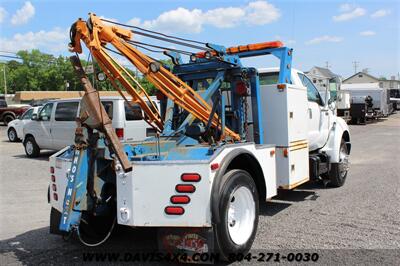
(54, 187)
(190, 177)
(180, 199)
(185, 188)
(55, 196)
(214, 166)
(172, 210)
(52, 170)
(53, 178)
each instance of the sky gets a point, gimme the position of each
(333, 33)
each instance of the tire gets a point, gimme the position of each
(12, 135)
(32, 150)
(236, 230)
(338, 172)
(7, 119)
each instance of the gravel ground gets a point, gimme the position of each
(356, 224)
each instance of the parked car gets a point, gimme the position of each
(15, 127)
(9, 112)
(53, 128)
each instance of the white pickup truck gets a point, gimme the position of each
(189, 186)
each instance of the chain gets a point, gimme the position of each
(246, 126)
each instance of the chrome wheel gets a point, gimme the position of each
(29, 147)
(241, 215)
(12, 136)
(343, 160)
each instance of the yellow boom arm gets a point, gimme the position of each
(96, 34)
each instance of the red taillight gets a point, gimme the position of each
(120, 133)
(190, 177)
(54, 187)
(52, 170)
(185, 188)
(55, 196)
(214, 166)
(53, 178)
(180, 199)
(172, 210)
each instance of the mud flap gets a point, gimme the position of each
(75, 192)
(188, 245)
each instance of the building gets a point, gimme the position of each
(392, 84)
(322, 77)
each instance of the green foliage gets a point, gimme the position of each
(44, 72)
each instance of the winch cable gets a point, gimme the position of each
(154, 32)
(165, 38)
(160, 47)
(100, 242)
(141, 44)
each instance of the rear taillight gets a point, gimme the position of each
(172, 210)
(180, 199)
(190, 177)
(185, 188)
(120, 133)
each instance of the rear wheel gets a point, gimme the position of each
(238, 211)
(338, 172)
(32, 150)
(12, 135)
(7, 119)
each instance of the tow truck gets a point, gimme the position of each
(228, 136)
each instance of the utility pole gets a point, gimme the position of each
(327, 65)
(355, 65)
(5, 82)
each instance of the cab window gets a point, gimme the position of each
(45, 114)
(27, 115)
(312, 92)
(269, 78)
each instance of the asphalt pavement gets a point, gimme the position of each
(358, 223)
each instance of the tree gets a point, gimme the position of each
(38, 71)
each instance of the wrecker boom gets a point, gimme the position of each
(96, 34)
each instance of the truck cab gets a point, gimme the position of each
(320, 117)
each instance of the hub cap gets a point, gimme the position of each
(241, 215)
(29, 147)
(344, 160)
(11, 135)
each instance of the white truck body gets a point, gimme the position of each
(294, 127)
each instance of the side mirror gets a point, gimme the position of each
(34, 117)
